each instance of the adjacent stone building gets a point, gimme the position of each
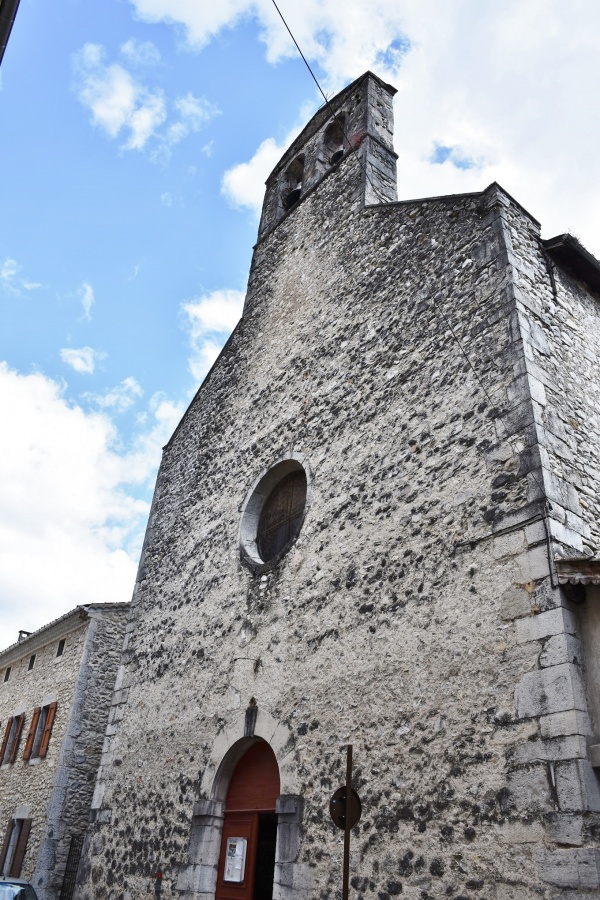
(55, 691)
(376, 524)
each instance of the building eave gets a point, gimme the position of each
(54, 630)
(578, 571)
(567, 251)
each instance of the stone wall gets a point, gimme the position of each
(384, 348)
(56, 791)
(30, 784)
(82, 746)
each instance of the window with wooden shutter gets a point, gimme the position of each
(31, 733)
(14, 747)
(7, 731)
(19, 854)
(6, 843)
(47, 730)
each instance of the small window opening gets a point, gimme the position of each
(31, 662)
(334, 140)
(7, 674)
(292, 186)
(39, 731)
(61, 647)
(11, 739)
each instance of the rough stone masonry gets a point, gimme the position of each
(432, 366)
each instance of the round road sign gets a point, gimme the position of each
(337, 808)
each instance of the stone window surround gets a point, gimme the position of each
(253, 503)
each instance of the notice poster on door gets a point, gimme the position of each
(235, 859)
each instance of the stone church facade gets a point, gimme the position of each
(376, 524)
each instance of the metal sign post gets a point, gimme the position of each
(345, 809)
(347, 826)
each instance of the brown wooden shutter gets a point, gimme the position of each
(5, 739)
(17, 860)
(15, 745)
(47, 730)
(35, 718)
(5, 843)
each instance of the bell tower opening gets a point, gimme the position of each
(334, 140)
(292, 183)
(247, 860)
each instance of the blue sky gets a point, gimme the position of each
(135, 137)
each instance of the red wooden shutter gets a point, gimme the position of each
(31, 733)
(47, 730)
(17, 740)
(17, 860)
(5, 843)
(5, 739)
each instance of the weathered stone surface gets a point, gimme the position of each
(577, 786)
(561, 648)
(570, 868)
(390, 621)
(546, 624)
(565, 829)
(571, 722)
(552, 690)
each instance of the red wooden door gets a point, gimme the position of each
(252, 792)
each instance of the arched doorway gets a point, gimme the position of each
(247, 859)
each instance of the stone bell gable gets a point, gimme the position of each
(358, 121)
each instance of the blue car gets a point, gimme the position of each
(15, 889)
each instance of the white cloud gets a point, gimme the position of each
(71, 517)
(122, 105)
(201, 21)
(82, 360)
(86, 295)
(120, 398)
(116, 102)
(9, 269)
(511, 87)
(209, 319)
(244, 184)
(12, 280)
(193, 114)
(140, 53)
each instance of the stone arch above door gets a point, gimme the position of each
(198, 879)
(232, 742)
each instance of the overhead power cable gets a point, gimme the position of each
(328, 104)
